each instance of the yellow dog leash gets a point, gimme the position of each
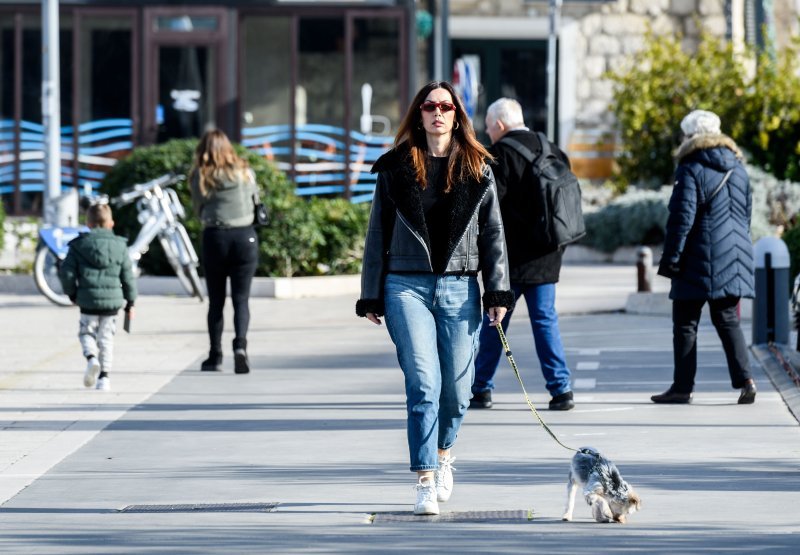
(510, 358)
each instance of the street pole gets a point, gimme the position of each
(552, 42)
(51, 114)
(447, 65)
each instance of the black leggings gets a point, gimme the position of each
(229, 253)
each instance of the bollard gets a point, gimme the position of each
(771, 304)
(644, 270)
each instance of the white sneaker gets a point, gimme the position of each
(426, 498)
(92, 371)
(104, 384)
(443, 479)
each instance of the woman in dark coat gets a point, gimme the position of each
(708, 253)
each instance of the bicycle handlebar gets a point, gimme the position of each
(138, 190)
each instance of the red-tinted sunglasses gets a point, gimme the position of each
(431, 106)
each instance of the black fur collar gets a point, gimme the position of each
(407, 196)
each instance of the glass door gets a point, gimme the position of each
(186, 96)
(182, 81)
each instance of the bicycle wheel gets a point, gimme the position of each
(173, 245)
(45, 275)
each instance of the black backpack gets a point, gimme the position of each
(560, 193)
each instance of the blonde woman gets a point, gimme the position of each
(222, 188)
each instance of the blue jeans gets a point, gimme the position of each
(433, 321)
(541, 300)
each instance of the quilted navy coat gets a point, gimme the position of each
(708, 252)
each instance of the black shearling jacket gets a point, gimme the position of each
(397, 237)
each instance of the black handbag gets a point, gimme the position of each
(260, 213)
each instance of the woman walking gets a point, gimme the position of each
(708, 253)
(223, 189)
(435, 222)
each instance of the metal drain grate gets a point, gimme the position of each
(522, 515)
(202, 507)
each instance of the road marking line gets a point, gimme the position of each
(584, 383)
(587, 365)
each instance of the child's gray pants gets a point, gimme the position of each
(97, 338)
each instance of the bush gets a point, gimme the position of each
(663, 83)
(770, 122)
(304, 236)
(639, 217)
(775, 203)
(635, 218)
(792, 239)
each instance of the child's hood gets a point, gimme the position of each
(99, 248)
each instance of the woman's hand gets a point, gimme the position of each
(496, 314)
(372, 317)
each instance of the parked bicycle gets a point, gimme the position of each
(159, 212)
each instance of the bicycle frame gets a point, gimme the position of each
(159, 210)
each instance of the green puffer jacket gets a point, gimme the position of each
(97, 272)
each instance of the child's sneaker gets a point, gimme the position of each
(103, 384)
(426, 498)
(92, 371)
(443, 478)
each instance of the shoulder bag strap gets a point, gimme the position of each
(524, 151)
(719, 187)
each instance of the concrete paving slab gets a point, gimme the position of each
(319, 427)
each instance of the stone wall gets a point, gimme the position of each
(608, 32)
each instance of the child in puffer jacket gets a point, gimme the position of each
(97, 276)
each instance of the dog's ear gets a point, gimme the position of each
(634, 499)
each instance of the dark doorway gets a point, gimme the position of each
(511, 68)
(185, 92)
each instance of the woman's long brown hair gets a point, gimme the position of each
(466, 156)
(215, 160)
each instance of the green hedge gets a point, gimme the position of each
(305, 236)
(663, 83)
(636, 218)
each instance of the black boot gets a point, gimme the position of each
(213, 363)
(241, 365)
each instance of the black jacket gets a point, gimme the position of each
(528, 261)
(397, 238)
(708, 252)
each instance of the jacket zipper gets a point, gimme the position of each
(466, 232)
(419, 238)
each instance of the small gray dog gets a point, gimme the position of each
(609, 496)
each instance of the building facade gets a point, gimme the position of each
(319, 87)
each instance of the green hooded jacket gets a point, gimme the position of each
(97, 272)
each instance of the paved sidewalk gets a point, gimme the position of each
(318, 427)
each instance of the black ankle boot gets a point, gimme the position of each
(213, 363)
(241, 365)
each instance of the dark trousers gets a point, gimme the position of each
(685, 318)
(229, 253)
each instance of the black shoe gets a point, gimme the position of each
(562, 402)
(482, 400)
(213, 363)
(748, 396)
(240, 363)
(672, 398)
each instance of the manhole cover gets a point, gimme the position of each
(522, 515)
(204, 507)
